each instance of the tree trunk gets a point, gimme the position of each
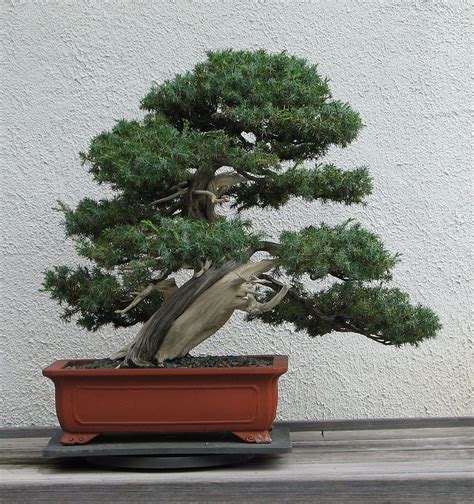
(198, 309)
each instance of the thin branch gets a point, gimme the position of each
(251, 177)
(267, 246)
(212, 196)
(170, 197)
(180, 185)
(166, 287)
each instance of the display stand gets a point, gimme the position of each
(169, 451)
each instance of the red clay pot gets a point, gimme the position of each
(94, 401)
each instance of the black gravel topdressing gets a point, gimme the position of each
(219, 361)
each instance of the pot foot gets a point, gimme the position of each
(254, 436)
(74, 438)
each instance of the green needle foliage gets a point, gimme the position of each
(171, 243)
(279, 98)
(93, 296)
(348, 253)
(326, 183)
(382, 314)
(266, 120)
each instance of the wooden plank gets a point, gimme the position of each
(448, 491)
(301, 464)
(410, 439)
(401, 434)
(429, 465)
(301, 426)
(25, 452)
(380, 423)
(291, 468)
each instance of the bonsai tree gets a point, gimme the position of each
(248, 129)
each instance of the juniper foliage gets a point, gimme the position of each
(270, 118)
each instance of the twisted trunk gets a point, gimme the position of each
(201, 306)
(198, 309)
(197, 205)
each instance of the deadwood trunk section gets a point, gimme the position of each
(198, 309)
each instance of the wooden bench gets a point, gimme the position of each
(364, 461)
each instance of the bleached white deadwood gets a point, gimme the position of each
(166, 287)
(207, 264)
(213, 308)
(120, 354)
(220, 183)
(253, 307)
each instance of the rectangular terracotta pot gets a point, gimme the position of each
(94, 401)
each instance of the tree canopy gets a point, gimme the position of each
(250, 129)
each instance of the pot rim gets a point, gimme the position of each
(279, 366)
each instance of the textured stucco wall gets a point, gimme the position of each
(72, 67)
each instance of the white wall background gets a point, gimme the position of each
(72, 67)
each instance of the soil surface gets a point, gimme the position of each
(219, 361)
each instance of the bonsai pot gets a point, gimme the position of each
(90, 402)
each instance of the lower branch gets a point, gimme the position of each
(339, 322)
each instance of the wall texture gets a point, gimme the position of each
(72, 67)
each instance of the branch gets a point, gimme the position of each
(251, 177)
(297, 296)
(166, 287)
(210, 194)
(343, 326)
(220, 183)
(349, 327)
(213, 188)
(170, 197)
(254, 307)
(267, 246)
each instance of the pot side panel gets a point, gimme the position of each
(164, 405)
